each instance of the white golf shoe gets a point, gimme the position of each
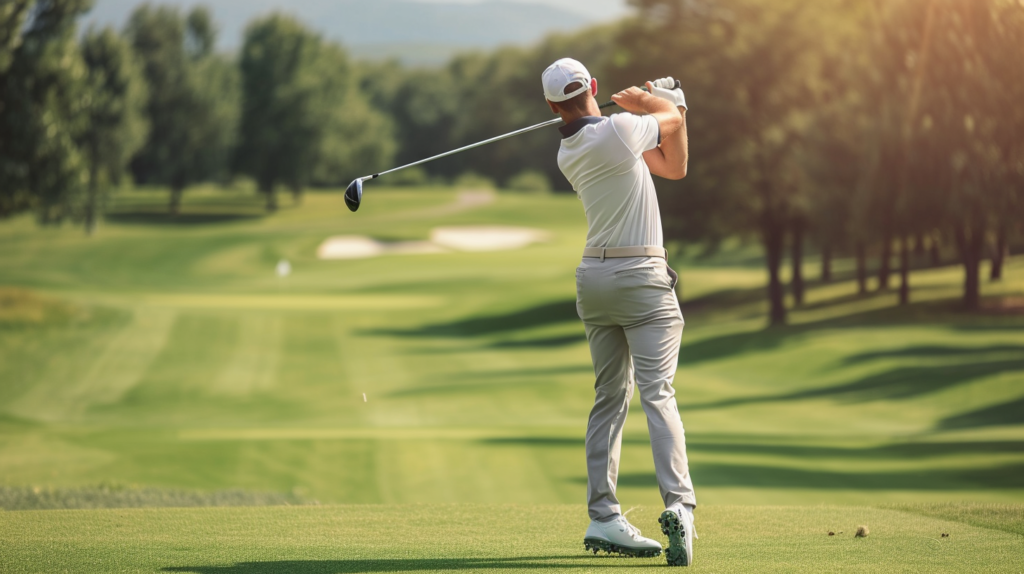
(621, 537)
(677, 523)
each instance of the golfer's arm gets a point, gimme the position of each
(669, 159)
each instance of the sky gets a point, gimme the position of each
(368, 25)
(603, 9)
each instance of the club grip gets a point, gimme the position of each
(610, 104)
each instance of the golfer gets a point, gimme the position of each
(625, 293)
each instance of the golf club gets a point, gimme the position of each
(354, 192)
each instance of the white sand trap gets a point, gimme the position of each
(361, 247)
(442, 240)
(486, 238)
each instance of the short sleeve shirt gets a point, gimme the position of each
(602, 157)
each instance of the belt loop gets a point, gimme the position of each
(603, 251)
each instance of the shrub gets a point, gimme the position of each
(411, 177)
(529, 181)
(471, 180)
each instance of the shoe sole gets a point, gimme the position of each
(596, 544)
(673, 528)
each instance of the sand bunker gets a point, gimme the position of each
(486, 238)
(361, 247)
(442, 240)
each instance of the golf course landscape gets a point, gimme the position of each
(169, 402)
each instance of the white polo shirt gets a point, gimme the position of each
(602, 157)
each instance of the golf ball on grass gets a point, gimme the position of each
(284, 268)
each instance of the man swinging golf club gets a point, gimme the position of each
(625, 293)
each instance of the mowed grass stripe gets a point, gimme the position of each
(253, 364)
(197, 350)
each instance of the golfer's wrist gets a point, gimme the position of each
(674, 96)
(653, 104)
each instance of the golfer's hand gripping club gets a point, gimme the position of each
(675, 83)
(354, 192)
(669, 89)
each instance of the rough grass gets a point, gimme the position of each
(117, 496)
(505, 538)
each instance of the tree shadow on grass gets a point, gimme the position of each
(542, 342)
(899, 383)
(1008, 413)
(411, 564)
(894, 451)
(927, 351)
(946, 312)
(164, 218)
(749, 475)
(721, 300)
(538, 316)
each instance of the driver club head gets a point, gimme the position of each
(354, 194)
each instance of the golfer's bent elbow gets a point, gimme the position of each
(676, 173)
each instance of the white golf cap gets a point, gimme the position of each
(561, 74)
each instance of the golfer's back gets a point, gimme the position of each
(602, 157)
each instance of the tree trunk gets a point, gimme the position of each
(774, 238)
(884, 267)
(919, 244)
(970, 240)
(297, 195)
(935, 252)
(91, 199)
(862, 269)
(904, 270)
(797, 257)
(826, 263)
(270, 192)
(999, 256)
(175, 206)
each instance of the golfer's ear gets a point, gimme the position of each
(553, 106)
(593, 87)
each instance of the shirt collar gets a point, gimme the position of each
(571, 129)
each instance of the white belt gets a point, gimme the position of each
(618, 252)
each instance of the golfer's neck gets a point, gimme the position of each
(592, 110)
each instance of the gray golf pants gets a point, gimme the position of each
(634, 326)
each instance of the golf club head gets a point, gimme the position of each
(354, 194)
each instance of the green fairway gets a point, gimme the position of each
(163, 363)
(514, 538)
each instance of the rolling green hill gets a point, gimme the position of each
(163, 363)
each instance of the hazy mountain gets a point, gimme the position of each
(405, 28)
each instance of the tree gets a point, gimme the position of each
(285, 102)
(14, 196)
(1004, 50)
(973, 124)
(193, 99)
(42, 89)
(357, 139)
(12, 18)
(116, 126)
(751, 68)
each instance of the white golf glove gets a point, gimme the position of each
(665, 88)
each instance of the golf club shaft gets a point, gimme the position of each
(471, 146)
(483, 143)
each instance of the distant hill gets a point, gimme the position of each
(417, 32)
